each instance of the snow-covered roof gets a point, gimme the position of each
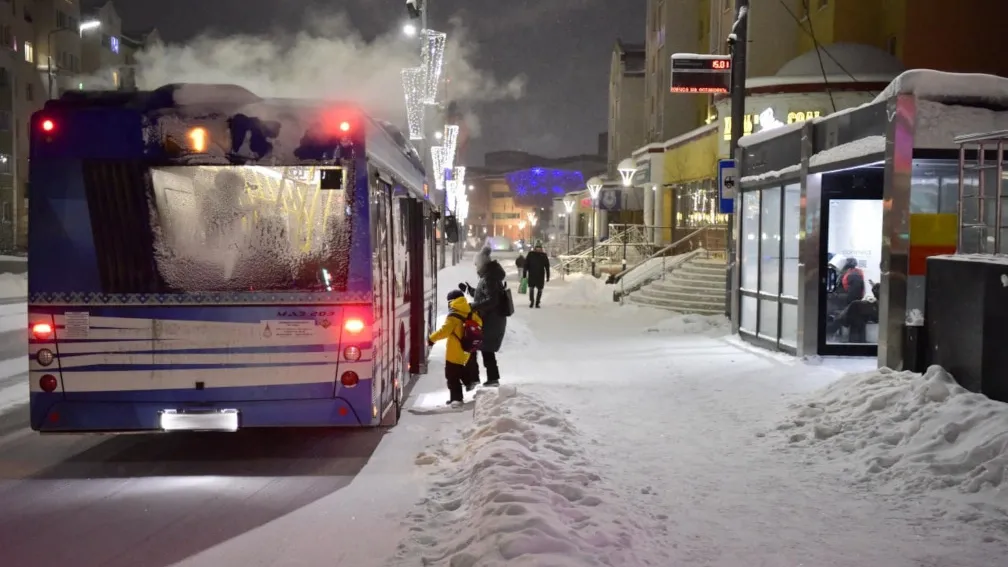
(839, 59)
(963, 89)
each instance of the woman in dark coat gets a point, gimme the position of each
(488, 302)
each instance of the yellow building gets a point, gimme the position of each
(863, 45)
(506, 217)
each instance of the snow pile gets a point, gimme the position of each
(519, 490)
(915, 433)
(693, 324)
(13, 285)
(578, 290)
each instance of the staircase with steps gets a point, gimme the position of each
(698, 286)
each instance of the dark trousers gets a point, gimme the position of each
(535, 295)
(456, 375)
(490, 362)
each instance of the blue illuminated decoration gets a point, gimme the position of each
(542, 181)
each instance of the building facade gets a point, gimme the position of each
(45, 52)
(673, 26)
(626, 113)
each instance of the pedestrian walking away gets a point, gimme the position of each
(537, 272)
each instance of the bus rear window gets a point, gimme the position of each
(250, 228)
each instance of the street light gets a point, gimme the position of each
(409, 29)
(569, 206)
(626, 169)
(83, 27)
(594, 186)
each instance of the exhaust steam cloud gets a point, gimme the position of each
(334, 64)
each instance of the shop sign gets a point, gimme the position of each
(643, 174)
(758, 122)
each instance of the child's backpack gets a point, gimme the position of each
(472, 334)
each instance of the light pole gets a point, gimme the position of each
(84, 26)
(533, 219)
(738, 41)
(569, 206)
(594, 186)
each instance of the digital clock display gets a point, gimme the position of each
(700, 74)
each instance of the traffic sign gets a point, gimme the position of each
(727, 180)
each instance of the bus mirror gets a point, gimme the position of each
(451, 229)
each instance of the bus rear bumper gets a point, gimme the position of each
(50, 413)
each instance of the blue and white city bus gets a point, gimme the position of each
(205, 259)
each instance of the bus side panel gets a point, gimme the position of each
(431, 269)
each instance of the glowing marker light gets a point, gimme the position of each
(198, 139)
(48, 125)
(344, 126)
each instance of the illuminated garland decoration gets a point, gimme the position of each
(432, 59)
(543, 181)
(450, 143)
(438, 164)
(462, 207)
(455, 186)
(413, 88)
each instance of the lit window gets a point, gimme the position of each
(114, 44)
(29, 52)
(115, 78)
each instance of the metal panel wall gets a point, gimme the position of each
(808, 261)
(901, 111)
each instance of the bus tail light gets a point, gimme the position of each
(42, 331)
(48, 383)
(352, 353)
(353, 326)
(45, 357)
(48, 125)
(349, 379)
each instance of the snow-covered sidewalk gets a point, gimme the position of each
(636, 438)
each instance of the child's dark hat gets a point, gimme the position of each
(455, 294)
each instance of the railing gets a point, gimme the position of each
(709, 241)
(621, 244)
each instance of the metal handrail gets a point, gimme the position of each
(664, 250)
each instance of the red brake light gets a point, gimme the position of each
(344, 126)
(353, 325)
(349, 379)
(42, 330)
(48, 383)
(48, 125)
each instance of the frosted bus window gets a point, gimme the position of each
(750, 240)
(225, 228)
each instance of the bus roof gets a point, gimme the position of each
(384, 142)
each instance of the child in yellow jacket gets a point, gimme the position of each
(456, 357)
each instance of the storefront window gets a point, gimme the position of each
(750, 240)
(770, 243)
(697, 205)
(792, 238)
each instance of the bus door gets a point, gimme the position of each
(383, 282)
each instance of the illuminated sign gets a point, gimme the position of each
(694, 73)
(766, 120)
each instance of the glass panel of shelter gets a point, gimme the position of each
(770, 237)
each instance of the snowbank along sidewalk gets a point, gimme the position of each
(911, 434)
(517, 490)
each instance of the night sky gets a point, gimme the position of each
(561, 48)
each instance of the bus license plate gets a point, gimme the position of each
(188, 420)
